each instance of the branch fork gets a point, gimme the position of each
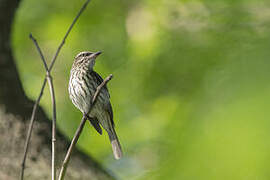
(48, 78)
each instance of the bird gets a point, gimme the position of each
(83, 83)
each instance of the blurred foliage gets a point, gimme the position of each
(191, 82)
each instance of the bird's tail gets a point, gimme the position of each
(116, 147)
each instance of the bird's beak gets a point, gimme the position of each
(96, 54)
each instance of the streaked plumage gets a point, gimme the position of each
(82, 86)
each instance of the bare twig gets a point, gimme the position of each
(67, 33)
(26, 145)
(50, 82)
(30, 129)
(40, 52)
(80, 128)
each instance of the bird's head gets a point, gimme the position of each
(86, 59)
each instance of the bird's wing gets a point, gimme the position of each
(95, 124)
(99, 80)
(108, 106)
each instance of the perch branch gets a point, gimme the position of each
(52, 92)
(80, 128)
(26, 145)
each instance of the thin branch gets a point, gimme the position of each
(40, 53)
(26, 145)
(67, 33)
(50, 82)
(80, 128)
(73, 142)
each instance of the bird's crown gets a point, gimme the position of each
(84, 54)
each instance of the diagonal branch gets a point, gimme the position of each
(67, 33)
(40, 53)
(43, 86)
(80, 128)
(50, 82)
(29, 132)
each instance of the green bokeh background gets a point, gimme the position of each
(190, 92)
